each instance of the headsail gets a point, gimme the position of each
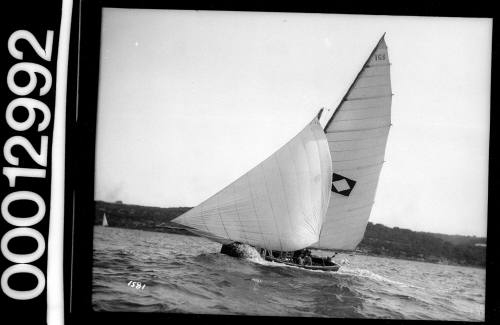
(357, 136)
(279, 204)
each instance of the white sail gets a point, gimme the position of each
(279, 204)
(357, 136)
(104, 220)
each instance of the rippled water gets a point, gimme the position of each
(185, 274)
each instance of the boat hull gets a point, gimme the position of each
(239, 250)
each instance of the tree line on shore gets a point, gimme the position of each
(378, 240)
(439, 248)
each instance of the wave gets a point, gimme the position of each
(364, 273)
(189, 275)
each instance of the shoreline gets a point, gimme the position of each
(422, 260)
(182, 231)
(379, 240)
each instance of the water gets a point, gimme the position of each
(185, 274)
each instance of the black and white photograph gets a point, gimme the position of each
(291, 164)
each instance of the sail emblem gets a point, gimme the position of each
(342, 185)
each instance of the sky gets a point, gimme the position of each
(191, 100)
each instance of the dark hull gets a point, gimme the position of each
(240, 251)
(326, 268)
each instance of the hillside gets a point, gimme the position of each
(424, 246)
(139, 217)
(379, 240)
(458, 239)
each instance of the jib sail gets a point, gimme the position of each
(279, 204)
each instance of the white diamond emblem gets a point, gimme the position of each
(341, 185)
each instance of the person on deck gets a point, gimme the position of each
(296, 256)
(308, 260)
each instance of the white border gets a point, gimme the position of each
(55, 284)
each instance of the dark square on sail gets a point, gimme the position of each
(342, 185)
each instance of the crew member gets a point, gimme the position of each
(308, 259)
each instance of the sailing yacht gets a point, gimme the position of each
(316, 191)
(104, 221)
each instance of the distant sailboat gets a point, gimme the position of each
(104, 221)
(318, 189)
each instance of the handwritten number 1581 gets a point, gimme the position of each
(136, 285)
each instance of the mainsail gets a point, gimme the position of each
(357, 135)
(104, 220)
(279, 204)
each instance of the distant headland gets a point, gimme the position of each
(379, 240)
